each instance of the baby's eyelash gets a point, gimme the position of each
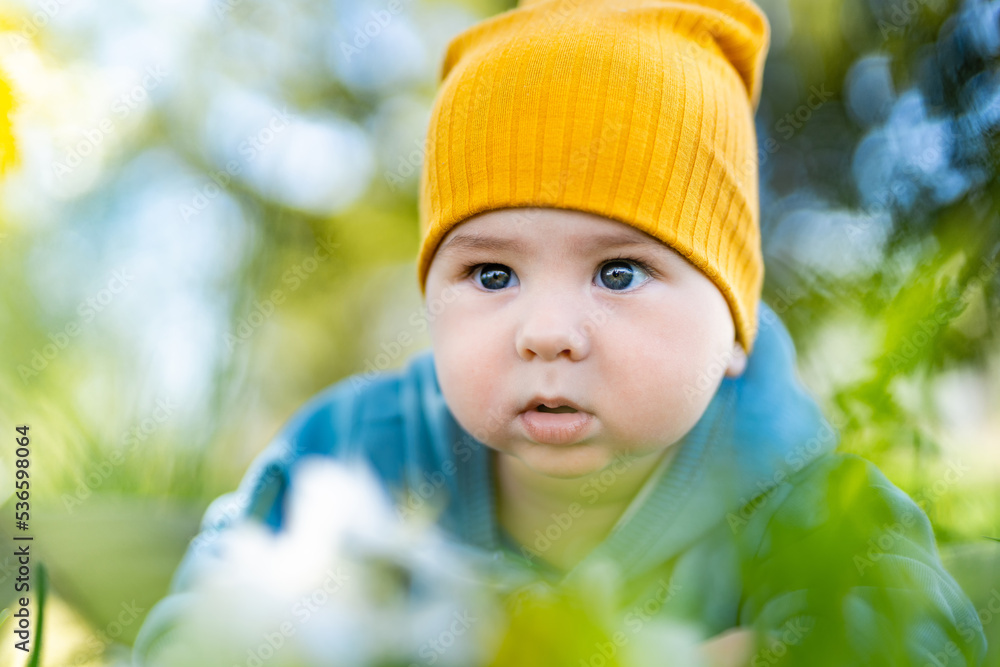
(468, 269)
(641, 264)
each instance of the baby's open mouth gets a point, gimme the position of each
(556, 420)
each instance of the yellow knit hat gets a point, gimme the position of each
(636, 110)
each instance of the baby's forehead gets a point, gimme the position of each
(523, 230)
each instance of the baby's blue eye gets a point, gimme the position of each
(619, 274)
(496, 276)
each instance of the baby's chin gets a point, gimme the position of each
(562, 461)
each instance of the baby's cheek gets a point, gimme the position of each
(470, 388)
(663, 401)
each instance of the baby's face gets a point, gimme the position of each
(543, 303)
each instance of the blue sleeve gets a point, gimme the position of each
(316, 428)
(847, 572)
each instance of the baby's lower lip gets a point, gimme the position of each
(556, 428)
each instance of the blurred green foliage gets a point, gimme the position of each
(118, 491)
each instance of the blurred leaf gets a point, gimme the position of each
(112, 552)
(42, 586)
(548, 627)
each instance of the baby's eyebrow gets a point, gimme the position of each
(467, 241)
(472, 241)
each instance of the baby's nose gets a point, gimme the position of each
(550, 331)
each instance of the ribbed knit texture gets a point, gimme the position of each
(636, 110)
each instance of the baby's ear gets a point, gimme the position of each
(737, 361)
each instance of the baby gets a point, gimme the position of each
(604, 384)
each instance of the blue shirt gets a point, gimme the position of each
(757, 521)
